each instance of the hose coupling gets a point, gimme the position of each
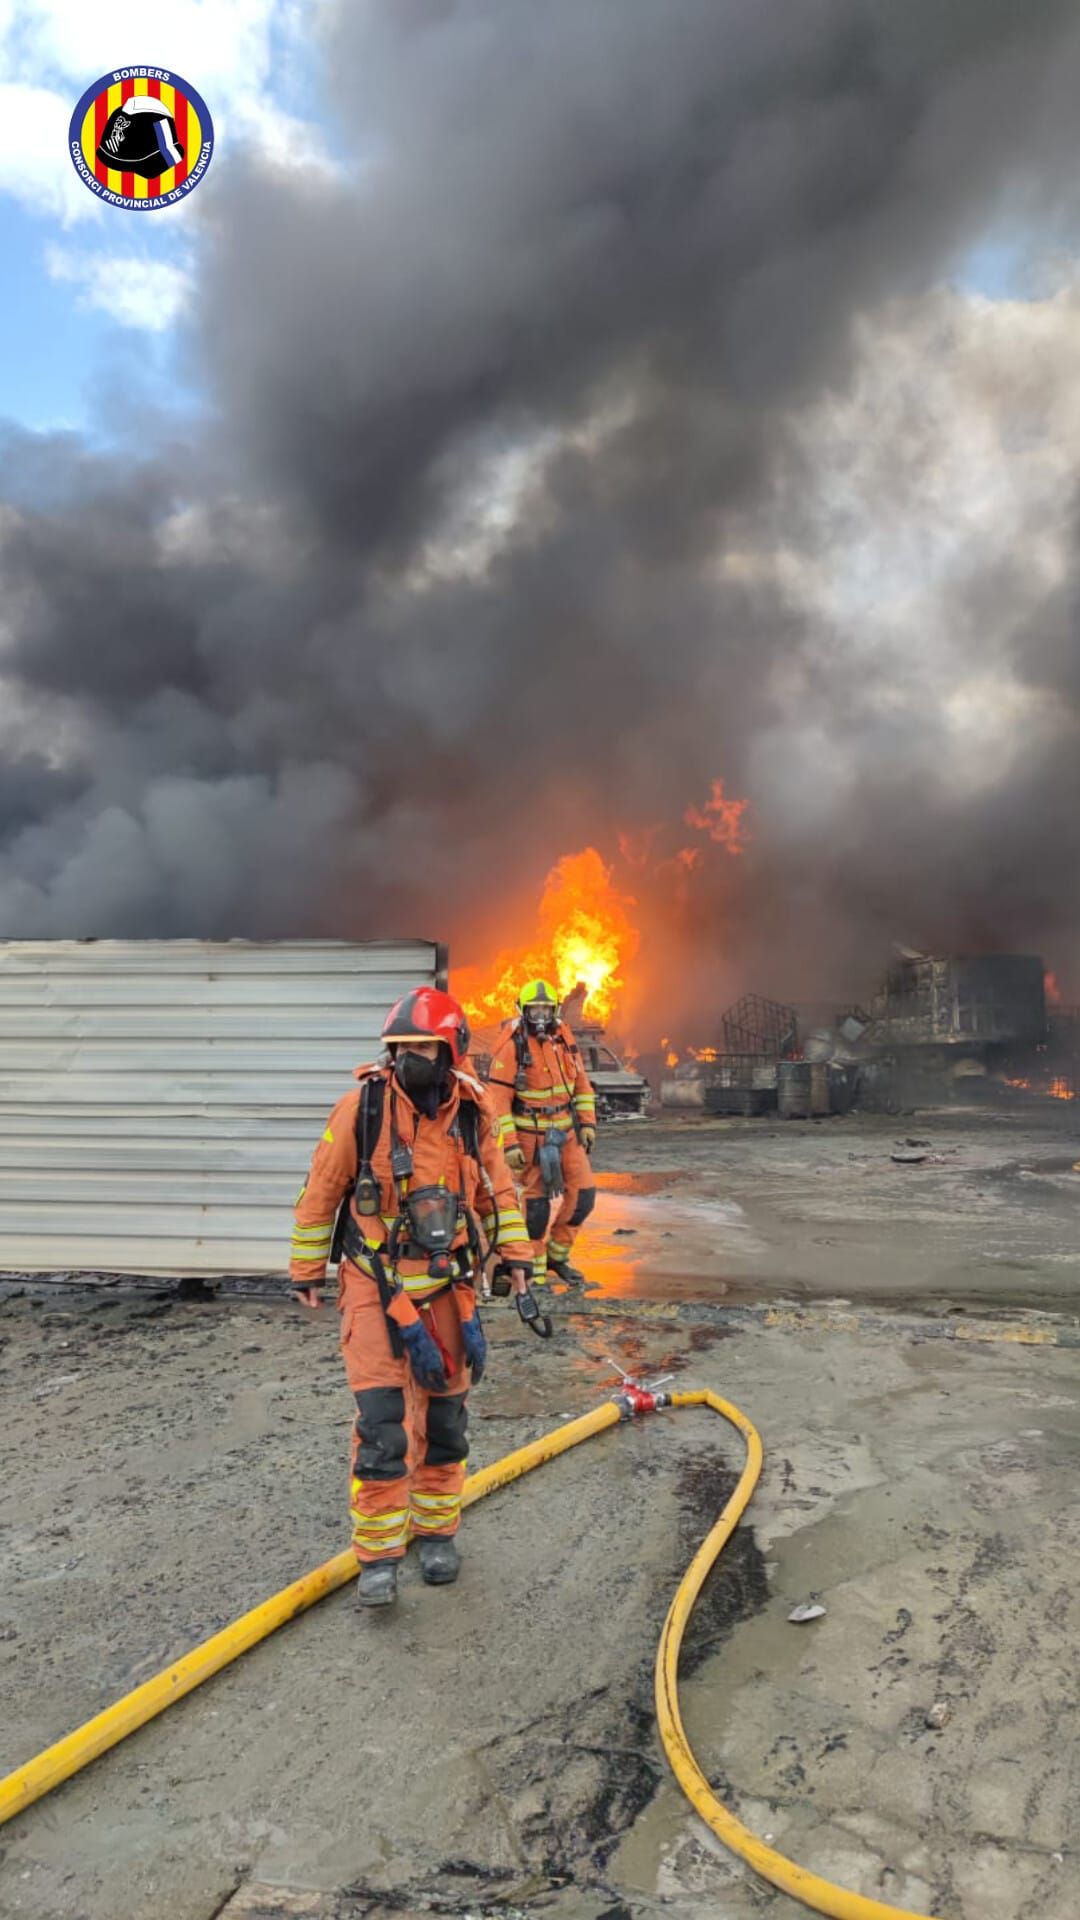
(635, 1397)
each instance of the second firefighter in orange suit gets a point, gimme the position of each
(405, 1164)
(547, 1121)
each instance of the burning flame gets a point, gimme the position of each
(721, 819)
(584, 937)
(671, 1058)
(1058, 1088)
(1052, 990)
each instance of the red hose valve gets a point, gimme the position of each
(638, 1399)
(638, 1396)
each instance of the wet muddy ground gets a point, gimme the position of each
(491, 1749)
(737, 1209)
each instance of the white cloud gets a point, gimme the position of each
(34, 162)
(136, 292)
(222, 46)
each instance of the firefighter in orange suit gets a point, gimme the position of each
(405, 1163)
(547, 1122)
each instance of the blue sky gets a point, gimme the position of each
(57, 347)
(95, 295)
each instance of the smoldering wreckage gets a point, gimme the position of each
(938, 1026)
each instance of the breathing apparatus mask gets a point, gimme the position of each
(541, 1017)
(432, 1216)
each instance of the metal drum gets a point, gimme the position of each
(793, 1089)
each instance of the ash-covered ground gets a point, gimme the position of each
(903, 1333)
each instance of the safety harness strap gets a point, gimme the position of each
(350, 1243)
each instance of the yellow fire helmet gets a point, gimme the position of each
(538, 1003)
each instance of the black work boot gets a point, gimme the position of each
(570, 1276)
(440, 1561)
(377, 1585)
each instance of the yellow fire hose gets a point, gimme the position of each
(69, 1755)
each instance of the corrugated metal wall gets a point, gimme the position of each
(159, 1100)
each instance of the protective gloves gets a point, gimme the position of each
(424, 1357)
(588, 1138)
(475, 1344)
(515, 1159)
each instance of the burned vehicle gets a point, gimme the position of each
(621, 1093)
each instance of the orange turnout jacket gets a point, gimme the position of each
(440, 1157)
(539, 1081)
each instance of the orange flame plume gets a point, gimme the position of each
(721, 819)
(584, 937)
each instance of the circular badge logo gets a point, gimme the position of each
(141, 138)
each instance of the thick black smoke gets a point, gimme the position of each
(487, 549)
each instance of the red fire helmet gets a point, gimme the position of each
(427, 1014)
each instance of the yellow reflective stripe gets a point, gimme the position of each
(510, 1226)
(384, 1522)
(506, 1125)
(435, 1513)
(419, 1282)
(582, 1100)
(381, 1532)
(535, 1096)
(379, 1542)
(316, 1234)
(540, 1123)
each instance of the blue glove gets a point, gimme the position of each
(475, 1344)
(424, 1358)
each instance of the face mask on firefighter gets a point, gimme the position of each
(416, 1074)
(540, 1017)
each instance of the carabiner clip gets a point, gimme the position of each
(529, 1310)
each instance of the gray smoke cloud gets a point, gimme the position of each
(601, 427)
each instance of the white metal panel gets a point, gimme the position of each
(159, 1100)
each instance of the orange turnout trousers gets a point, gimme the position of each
(553, 1223)
(409, 1446)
